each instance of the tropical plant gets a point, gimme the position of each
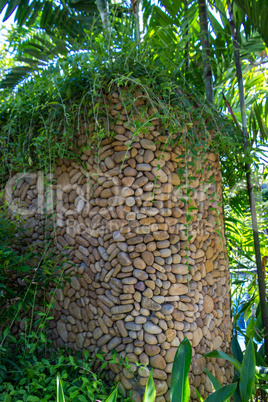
(180, 389)
(248, 377)
(261, 282)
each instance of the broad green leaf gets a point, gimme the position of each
(222, 394)
(216, 384)
(150, 393)
(180, 388)
(236, 350)
(222, 355)
(250, 328)
(236, 395)
(60, 393)
(247, 374)
(112, 397)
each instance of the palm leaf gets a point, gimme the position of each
(222, 394)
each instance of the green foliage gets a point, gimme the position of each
(216, 384)
(150, 393)
(256, 12)
(31, 370)
(113, 396)
(40, 120)
(180, 388)
(60, 393)
(222, 394)
(246, 372)
(247, 375)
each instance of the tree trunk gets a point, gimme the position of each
(205, 50)
(137, 22)
(103, 9)
(261, 282)
(187, 57)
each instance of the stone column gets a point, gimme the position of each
(151, 263)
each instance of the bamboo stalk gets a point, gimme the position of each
(261, 282)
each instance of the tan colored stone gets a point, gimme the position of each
(161, 235)
(121, 156)
(160, 174)
(124, 259)
(148, 293)
(128, 181)
(209, 266)
(143, 167)
(122, 309)
(63, 182)
(170, 334)
(150, 339)
(148, 156)
(125, 382)
(148, 258)
(147, 144)
(198, 365)
(151, 350)
(178, 315)
(174, 179)
(161, 388)
(208, 304)
(197, 336)
(169, 357)
(150, 304)
(140, 274)
(177, 289)
(216, 343)
(139, 263)
(209, 252)
(129, 171)
(152, 328)
(159, 374)
(158, 362)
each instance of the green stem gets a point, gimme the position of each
(261, 282)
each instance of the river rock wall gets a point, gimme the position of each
(141, 223)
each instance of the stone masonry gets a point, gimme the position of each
(146, 245)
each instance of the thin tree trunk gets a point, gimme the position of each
(205, 50)
(187, 58)
(136, 9)
(261, 282)
(103, 9)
